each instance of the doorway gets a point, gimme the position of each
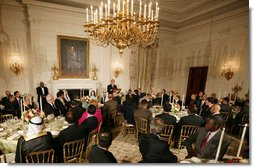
(196, 80)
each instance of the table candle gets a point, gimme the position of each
(183, 102)
(41, 103)
(219, 146)
(242, 138)
(161, 100)
(21, 105)
(80, 94)
(219, 96)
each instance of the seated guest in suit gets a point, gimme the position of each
(111, 87)
(104, 98)
(206, 140)
(192, 101)
(99, 152)
(201, 104)
(128, 112)
(77, 109)
(27, 103)
(143, 112)
(35, 140)
(215, 100)
(153, 149)
(10, 105)
(166, 117)
(49, 107)
(215, 110)
(91, 122)
(59, 103)
(5, 99)
(110, 109)
(224, 106)
(170, 96)
(191, 119)
(178, 101)
(206, 111)
(97, 114)
(71, 133)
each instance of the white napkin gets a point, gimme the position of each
(13, 136)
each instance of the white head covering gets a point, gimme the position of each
(35, 126)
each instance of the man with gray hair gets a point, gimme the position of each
(50, 107)
(153, 149)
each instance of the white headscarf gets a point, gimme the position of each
(35, 126)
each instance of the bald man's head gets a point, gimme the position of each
(215, 108)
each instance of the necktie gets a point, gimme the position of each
(205, 141)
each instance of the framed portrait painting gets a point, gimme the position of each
(73, 54)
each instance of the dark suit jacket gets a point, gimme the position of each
(165, 98)
(167, 118)
(110, 88)
(48, 109)
(210, 149)
(179, 102)
(154, 150)
(187, 120)
(98, 155)
(205, 112)
(225, 108)
(39, 93)
(89, 125)
(72, 133)
(128, 113)
(61, 108)
(4, 100)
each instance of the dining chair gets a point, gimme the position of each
(5, 117)
(141, 126)
(46, 156)
(127, 128)
(2, 157)
(245, 120)
(225, 116)
(186, 131)
(119, 118)
(73, 150)
(167, 132)
(92, 136)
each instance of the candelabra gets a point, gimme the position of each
(55, 71)
(95, 70)
(123, 27)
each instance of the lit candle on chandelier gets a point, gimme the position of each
(106, 12)
(123, 7)
(108, 8)
(127, 11)
(114, 10)
(145, 12)
(140, 9)
(91, 13)
(118, 6)
(149, 10)
(131, 7)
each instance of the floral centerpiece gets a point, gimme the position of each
(85, 101)
(27, 115)
(175, 108)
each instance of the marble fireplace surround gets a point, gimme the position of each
(62, 84)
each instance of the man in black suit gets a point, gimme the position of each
(206, 111)
(201, 104)
(178, 101)
(166, 117)
(191, 119)
(224, 106)
(50, 107)
(42, 92)
(5, 99)
(91, 122)
(111, 87)
(153, 149)
(164, 96)
(99, 153)
(59, 103)
(71, 133)
(206, 140)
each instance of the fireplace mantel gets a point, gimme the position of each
(61, 84)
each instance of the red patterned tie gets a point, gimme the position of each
(204, 141)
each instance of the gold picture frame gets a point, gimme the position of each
(73, 57)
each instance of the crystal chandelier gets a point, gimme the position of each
(121, 26)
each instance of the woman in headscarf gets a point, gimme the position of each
(34, 140)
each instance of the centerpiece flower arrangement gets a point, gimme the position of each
(28, 114)
(85, 101)
(175, 108)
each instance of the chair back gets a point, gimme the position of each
(73, 151)
(141, 125)
(186, 131)
(92, 135)
(6, 117)
(245, 119)
(166, 135)
(46, 156)
(2, 157)
(119, 118)
(225, 115)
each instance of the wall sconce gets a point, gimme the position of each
(16, 67)
(228, 71)
(118, 70)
